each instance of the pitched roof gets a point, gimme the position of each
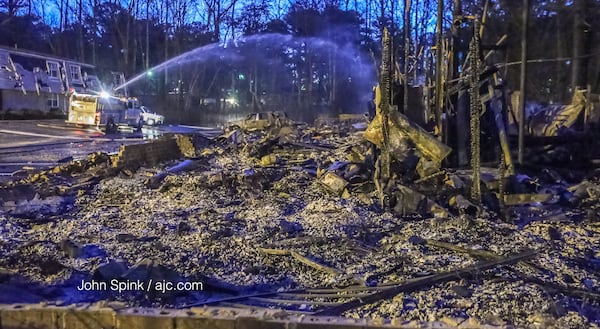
(34, 54)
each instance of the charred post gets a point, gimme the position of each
(475, 114)
(383, 172)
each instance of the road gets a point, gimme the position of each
(29, 144)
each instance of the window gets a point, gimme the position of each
(75, 72)
(52, 69)
(93, 84)
(53, 101)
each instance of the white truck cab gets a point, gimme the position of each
(151, 118)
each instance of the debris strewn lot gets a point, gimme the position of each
(283, 211)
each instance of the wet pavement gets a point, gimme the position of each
(28, 144)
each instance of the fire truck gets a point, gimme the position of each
(105, 111)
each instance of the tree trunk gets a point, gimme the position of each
(438, 69)
(415, 41)
(66, 15)
(558, 90)
(136, 39)
(147, 66)
(60, 15)
(579, 71)
(187, 106)
(80, 31)
(166, 50)
(456, 21)
(126, 45)
(332, 78)
(94, 30)
(523, 79)
(217, 21)
(309, 99)
(407, 4)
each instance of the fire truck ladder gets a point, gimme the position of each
(18, 77)
(119, 80)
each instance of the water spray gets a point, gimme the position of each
(235, 53)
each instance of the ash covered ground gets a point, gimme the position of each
(216, 221)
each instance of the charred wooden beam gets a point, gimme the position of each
(427, 281)
(156, 180)
(302, 259)
(548, 286)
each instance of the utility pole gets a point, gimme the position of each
(523, 80)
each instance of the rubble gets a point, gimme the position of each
(554, 120)
(275, 213)
(109, 271)
(334, 182)
(403, 130)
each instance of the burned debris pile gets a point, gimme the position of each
(298, 217)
